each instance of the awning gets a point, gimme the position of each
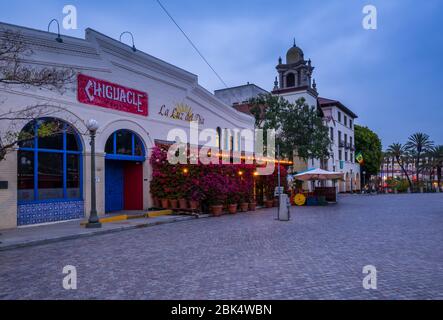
(319, 174)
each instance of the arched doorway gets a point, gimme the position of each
(125, 154)
(49, 173)
(348, 182)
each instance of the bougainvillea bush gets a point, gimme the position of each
(213, 184)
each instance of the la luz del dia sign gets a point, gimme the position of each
(110, 95)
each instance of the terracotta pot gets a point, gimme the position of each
(174, 203)
(269, 203)
(216, 210)
(165, 203)
(276, 202)
(232, 208)
(252, 206)
(182, 204)
(193, 204)
(244, 206)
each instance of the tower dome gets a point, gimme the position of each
(294, 55)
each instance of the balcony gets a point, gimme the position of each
(341, 144)
(347, 145)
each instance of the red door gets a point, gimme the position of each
(133, 186)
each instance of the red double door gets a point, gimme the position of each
(133, 186)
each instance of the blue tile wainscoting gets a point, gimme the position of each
(36, 213)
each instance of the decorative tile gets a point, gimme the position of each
(45, 212)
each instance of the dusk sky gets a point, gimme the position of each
(391, 77)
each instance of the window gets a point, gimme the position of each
(290, 80)
(346, 121)
(346, 138)
(218, 138)
(351, 124)
(49, 162)
(339, 136)
(332, 134)
(339, 116)
(340, 155)
(346, 156)
(124, 144)
(350, 142)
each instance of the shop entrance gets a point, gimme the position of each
(124, 186)
(124, 172)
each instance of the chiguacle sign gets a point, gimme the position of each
(110, 95)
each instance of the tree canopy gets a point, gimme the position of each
(299, 127)
(369, 144)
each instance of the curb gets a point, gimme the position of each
(98, 232)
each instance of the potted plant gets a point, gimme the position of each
(244, 204)
(165, 203)
(156, 202)
(174, 203)
(269, 202)
(214, 188)
(182, 202)
(195, 196)
(232, 206)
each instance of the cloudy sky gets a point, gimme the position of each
(391, 77)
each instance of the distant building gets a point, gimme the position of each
(239, 97)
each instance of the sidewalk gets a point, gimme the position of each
(32, 236)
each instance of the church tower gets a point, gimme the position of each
(294, 79)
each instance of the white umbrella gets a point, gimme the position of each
(319, 174)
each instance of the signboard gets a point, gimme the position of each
(359, 158)
(181, 111)
(110, 95)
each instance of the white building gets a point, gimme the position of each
(136, 98)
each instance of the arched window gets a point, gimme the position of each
(124, 145)
(290, 80)
(49, 162)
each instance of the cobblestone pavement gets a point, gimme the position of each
(318, 255)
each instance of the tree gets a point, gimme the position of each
(300, 130)
(399, 153)
(418, 144)
(369, 144)
(14, 72)
(436, 154)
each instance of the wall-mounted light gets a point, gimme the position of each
(132, 37)
(58, 39)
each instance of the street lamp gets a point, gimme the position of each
(93, 221)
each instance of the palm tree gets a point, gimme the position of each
(437, 155)
(399, 152)
(418, 144)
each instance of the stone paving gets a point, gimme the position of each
(318, 255)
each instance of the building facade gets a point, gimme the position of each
(137, 100)
(295, 81)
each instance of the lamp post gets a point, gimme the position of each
(93, 221)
